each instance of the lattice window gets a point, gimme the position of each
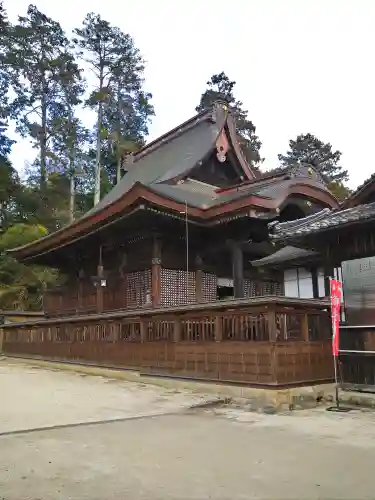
(138, 288)
(174, 285)
(209, 287)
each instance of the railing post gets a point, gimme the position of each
(305, 327)
(143, 330)
(237, 269)
(218, 328)
(177, 329)
(271, 324)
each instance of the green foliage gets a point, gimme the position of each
(122, 107)
(308, 148)
(21, 286)
(221, 87)
(21, 234)
(339, 190)
(37, 59)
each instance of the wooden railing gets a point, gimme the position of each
(357, 357)
(271, 341)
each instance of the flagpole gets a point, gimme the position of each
(334, 340)
(335, 290)
(336, 382)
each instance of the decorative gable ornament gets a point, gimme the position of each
(221, 157)
(222, 146)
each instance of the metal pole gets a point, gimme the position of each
(336, 382)
(337, 408)
(187, 251)
(334, 357)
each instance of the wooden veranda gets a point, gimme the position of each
(265, 341)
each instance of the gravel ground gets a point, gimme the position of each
(214, 453)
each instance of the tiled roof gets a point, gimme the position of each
(169, 159)
(285, 254)
(321, 221)
(360, 188)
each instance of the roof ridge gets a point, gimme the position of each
(325, 221)
(298, 222)
(359, 189)
(206, 114)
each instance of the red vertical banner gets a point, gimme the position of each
(336, 294)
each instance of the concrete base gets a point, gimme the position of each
(254, 399)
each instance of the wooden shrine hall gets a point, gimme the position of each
(342, 240)
(159, 274)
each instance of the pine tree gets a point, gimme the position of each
(221, 87)
(36, 57)
(69, 135)
(118, 68)
(309, 149)
(127, 111)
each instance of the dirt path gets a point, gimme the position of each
(222, 454)
(32, 397)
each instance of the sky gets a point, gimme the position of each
(300, 65)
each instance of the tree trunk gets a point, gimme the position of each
(72, 170)
(118, 139)
(118, 172)
(43, 145)
(99, 139)
(71, 197)
(98, 154)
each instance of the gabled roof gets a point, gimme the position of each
(361, 193)
(173, 155)
(285, 255)
(321, 221)
(160, 175)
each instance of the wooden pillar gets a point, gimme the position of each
(177, 329)
(305, 327)
(218, 328)
(237, 268)
(315, 283)
(198, 279)
(99, 288)
(123, 281)
(271, 324)
(81, 276)
(143, 330)
(328, 273)
(156, 273)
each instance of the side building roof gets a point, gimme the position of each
(322, 221)
(363, 194)
(287, 254)
(162, 174)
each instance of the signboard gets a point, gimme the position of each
(359, 291)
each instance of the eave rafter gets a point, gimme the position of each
(140, 194)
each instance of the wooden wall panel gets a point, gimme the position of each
(238, 343)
